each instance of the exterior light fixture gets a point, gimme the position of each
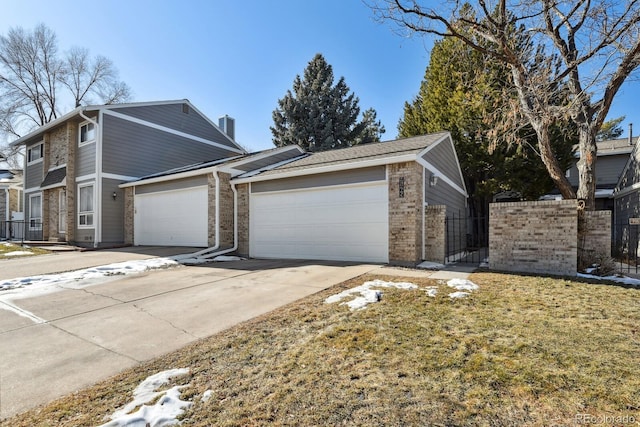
(433, 180)
(114, 195)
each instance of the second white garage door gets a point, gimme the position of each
(347, 223)
(172, 218)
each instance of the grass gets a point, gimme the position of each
(6, 248)
(519, 351)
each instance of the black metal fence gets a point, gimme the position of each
(20, 230)
(467, 238)
(626, 247)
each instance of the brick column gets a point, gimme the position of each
(129, 210)
(71, 137)
(243, 219)
(211, 214)
(435, 233)
(405, 213)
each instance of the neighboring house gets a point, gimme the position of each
(612, 157)
(367, 203)
(10, 200)
(627, 205)
(74, 164)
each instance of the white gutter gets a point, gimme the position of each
(97, 214)
(424, 202)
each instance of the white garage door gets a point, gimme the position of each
(339, 223)
(171, 218)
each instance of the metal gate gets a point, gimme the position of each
(467, 239)
(626, 247)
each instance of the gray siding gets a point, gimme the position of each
(443, 157)
(172, 116)
(444, 194)
(85, 236)
(353, 176)
(608, 170)
(86, 159)
(135, 150)
(195, 181)
(34, 173)
(112, 212)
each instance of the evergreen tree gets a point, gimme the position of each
(468, 94)
(319, 115)
(610, 129)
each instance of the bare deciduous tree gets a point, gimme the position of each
(36, 81)
(588, 47)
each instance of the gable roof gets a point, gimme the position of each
(78, 112)
(378, 153)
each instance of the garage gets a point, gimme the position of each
(347, 223)
(172, 218)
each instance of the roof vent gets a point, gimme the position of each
(228, 126)
(630, 133)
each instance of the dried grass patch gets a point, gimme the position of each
(519, 351)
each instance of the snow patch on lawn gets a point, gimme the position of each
(432, 291)
(463, 288)
(163, 413)
(18, 253)
(618, 279)
(367, 294)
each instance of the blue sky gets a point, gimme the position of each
(239, 57)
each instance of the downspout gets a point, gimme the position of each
(98, 185)
(216, 243)
(207, 254)
(7, 208)
(424, 191)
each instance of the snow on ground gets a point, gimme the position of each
(162, 413)
(432, 291)
(461, 285)
(459, 294)
(431, 265)
(367, 294)
(17, 253)
(623, 279)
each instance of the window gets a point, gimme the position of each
(35, 212)
(87, 133)
(85, 208)
(34, 153)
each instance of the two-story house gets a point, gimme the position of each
(10, 201)
(612, 157)
(74, 164)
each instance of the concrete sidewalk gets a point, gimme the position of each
(60, 262)
(94, 332)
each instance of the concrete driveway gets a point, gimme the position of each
(92, 333)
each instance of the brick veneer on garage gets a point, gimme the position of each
(243, 219)
(435, 233)
(534, 237)
(128, 215)
(405, 213)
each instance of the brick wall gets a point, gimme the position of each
(14, 201)
(435, 233)
(534, 237)
(226, 210)
(596, 236)
(211, 214)
(71, 136)
(243, 219)
(59, 146)
(54, 212)
(128, 215)
(405, 213)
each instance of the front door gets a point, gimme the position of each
(62, 212)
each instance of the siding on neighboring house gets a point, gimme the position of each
(172, 116)
(608, 170)
(3, 205)
(353, 176)
(138, 141)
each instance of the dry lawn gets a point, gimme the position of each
(519, 351)
(6, 248)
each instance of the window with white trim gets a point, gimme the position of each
(34, 153)
(87, 133)
(35, 211)
(85, 205)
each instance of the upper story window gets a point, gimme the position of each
(34, 153)
(87, 133)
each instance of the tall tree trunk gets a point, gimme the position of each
(587, 167)
(550, 160)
